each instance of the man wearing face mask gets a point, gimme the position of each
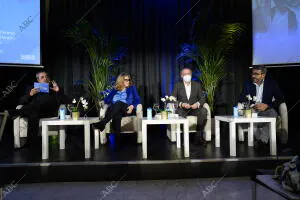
(190, 99)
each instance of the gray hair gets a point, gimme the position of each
(37, 75)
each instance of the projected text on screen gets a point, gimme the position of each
(20, 32)
(276, 31)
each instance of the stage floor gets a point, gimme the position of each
(164, 161)
(159, 148)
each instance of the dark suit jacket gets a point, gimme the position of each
(196, 93)
(270, 90)
(46, 102)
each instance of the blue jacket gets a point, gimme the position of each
(133, 97)
(271, 90)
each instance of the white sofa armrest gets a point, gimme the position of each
(283, 112)
(103, 109)
(207, 128)
(139, 111)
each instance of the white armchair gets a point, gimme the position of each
(171, 131)
(21, 126)
(129, 124)
(281, 123)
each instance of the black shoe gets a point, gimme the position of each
(25, 146)
(100, 125)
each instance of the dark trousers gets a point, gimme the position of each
(200, 113)
(33, 112)
(115, 113)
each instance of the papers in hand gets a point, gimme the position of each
(43, 87)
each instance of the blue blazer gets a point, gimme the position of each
(133, 97)
(270, 90)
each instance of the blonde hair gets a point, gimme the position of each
(120, 81)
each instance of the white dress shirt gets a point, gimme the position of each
(259, 92)
(188, 89)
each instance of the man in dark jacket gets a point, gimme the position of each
(268, 97)
(190, 99)
(37, 104)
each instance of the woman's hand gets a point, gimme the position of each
(130, 109)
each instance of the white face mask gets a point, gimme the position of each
(187, 78)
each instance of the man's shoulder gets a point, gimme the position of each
(196, 83)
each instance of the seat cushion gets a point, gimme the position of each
(128, 123)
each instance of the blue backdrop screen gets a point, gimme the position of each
(20, 32)
(276, 31)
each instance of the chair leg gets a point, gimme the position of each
(103, 139)
(171, 132)
(207, 135)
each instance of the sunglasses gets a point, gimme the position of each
(127, 80)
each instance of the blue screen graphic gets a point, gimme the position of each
(20, 32)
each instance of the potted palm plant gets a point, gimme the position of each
(211, 54)
(99, 49)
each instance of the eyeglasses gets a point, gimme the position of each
(256, 74)
(128, 80)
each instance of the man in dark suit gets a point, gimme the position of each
(190, 99)
(37, 105)
(268, 98)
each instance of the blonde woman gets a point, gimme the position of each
(123, 100)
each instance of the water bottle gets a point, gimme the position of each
(62, 112)
(235, 111)
(149, 113)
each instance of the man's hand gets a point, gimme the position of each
(194, 106)
(130, 109)
(34, 91)
(261, 107)
(55, 87)
(186, 105)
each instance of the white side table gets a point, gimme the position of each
(62, 133)
(232, 131)
(177, 121)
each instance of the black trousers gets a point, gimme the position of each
(200, 113)
(115, 113)
(33, 112)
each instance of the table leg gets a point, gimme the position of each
(273, 147)
(96, 138)
(217, 133)
(232, 138)
(62, 137)
(241, 133)
(45, 141)
(186, 139)
(144, 139)
(87, 140)
(178, 136)
(250, 134)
